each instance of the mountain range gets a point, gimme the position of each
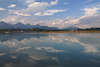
(4, 25)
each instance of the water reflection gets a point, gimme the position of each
(50, 50)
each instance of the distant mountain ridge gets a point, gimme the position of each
(4, 25)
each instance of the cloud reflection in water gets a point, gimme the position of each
(54, 50)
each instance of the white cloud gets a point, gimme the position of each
(18, 13)
(33, 6)
(11, 19)
(91, 11)
(12, 6)
(31, 9)
(91, 18)
(37, 4)
(54, 2)
(88, 22)
(14, 19)
(48, 12)
(21, 14)
(1, 9)
(29, 1)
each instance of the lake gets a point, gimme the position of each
(50, 50)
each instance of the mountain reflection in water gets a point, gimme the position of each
(50, 50)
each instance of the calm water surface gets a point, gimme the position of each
(50, 50)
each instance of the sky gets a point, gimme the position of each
(53, 13)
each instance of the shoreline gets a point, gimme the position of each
(11, 32)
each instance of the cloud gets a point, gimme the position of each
(12, 6)
(14, 19)
(88, 22)
(91, 11)
(29, 1)
(19, 13)
(37, 4)
(34, 6)
(22, 14)
(1, 9)
(48, 12)
(91, 18)
(11, 19)
(31, 9)
(54, 2)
